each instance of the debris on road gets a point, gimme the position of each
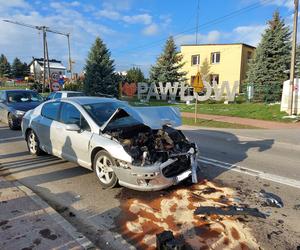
(166, 240)
(274, 233)
(270, 199)
(71, 214)
(297, 207)
(229, 210)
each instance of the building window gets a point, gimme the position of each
(195, 60)
(214, 78)
(249, 55)
(215, 57)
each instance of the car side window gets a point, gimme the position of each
(71, 115)
(51, 110)
(57, 96)
(2, 95)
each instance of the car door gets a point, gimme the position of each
(74, 144)
(47, 127)
(1, 105)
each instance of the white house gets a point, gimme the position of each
(37, 69)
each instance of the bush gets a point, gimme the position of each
(39, 87)
(74, 86)
(240, 99)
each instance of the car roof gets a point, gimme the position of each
(19, 90)
(68, 91)
(83, 100)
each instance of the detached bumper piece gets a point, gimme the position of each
(167, 241)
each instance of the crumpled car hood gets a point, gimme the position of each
(153, 117)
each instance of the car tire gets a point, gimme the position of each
(12, 122)
(102, 167)
(33, 144)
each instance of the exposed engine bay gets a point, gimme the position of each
(147, 146)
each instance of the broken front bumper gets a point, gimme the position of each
(157, 176)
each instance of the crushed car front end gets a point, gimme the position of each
(161, 156)
(157, 176)
(148, 152)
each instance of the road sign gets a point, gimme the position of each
(55, 76)
(55, 86)
(198, 84)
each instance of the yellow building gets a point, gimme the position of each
(228, 62)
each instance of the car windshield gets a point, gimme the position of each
(23, 96)
(75, 94)
(101, 112)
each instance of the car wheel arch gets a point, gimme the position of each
(27, 132)
(94, 152)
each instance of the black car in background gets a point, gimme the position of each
(15, 103)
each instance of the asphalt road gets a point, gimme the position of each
(246, 160)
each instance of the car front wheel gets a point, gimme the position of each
(33, 143)
(103, 163)
(12, 123)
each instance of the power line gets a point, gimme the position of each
(205, 25)
(45, 29)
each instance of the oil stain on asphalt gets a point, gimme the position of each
(146, 214)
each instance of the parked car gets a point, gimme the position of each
(64, 94)
(14, 104)
(135, 147)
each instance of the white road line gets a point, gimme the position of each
(271, 177)
(11, 138)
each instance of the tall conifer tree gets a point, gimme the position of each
(4, 66)
(17, 68)
(168, 65)
(100, 77)
(269, 67)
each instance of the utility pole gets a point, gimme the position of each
(45, 29)
(291, 107)
(197, 21)
(44, 64)
(48, 66)
(70, 61)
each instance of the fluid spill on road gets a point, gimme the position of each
(146, 214)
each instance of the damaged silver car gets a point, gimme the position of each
(138, 148)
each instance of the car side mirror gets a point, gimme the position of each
(73, 127)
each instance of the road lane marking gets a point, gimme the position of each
(270, 177)
(10, 138)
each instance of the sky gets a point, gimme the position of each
(133, 30)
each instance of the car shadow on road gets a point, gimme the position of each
(11, 155)
(224, 148)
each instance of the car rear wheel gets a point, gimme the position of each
(12, 123)
(33, 143)
(103, 163)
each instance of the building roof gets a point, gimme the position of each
(216, 44)
(54, 64)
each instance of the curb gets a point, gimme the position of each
(84, 242)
